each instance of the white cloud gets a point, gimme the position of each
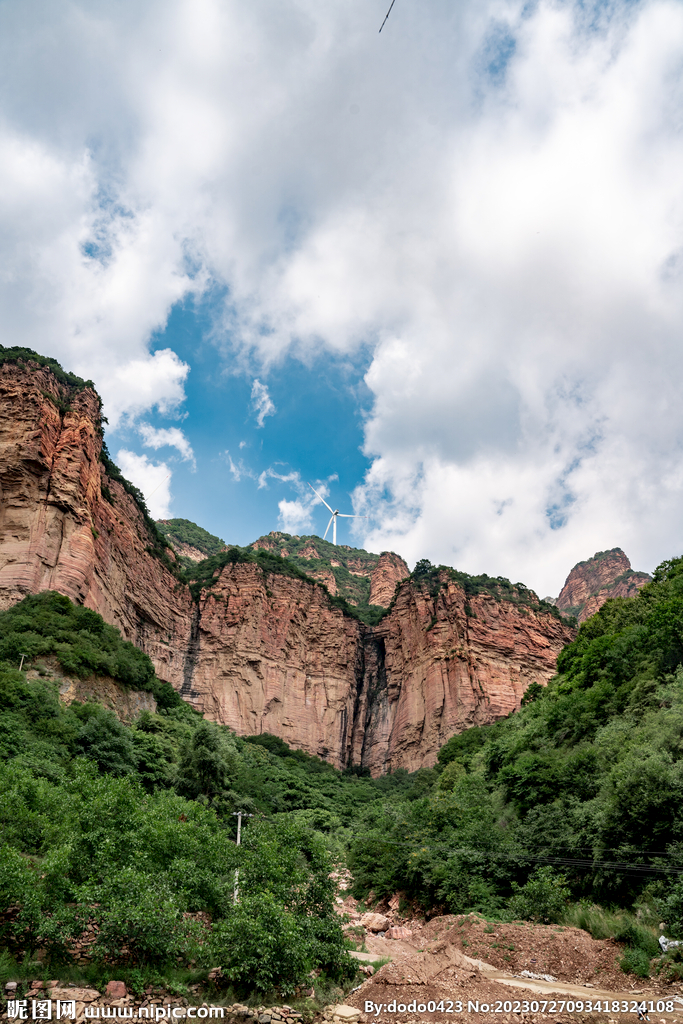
(238, 469)
(293, 478)
(499, 227)
(152, 478)
(295, 516)
(171, 437)
(261, 402)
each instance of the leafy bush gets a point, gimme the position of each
(141, 921)
(432, 577)
(262, 944)
(635, 961)
(543, 898)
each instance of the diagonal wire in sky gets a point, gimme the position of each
(387, 15)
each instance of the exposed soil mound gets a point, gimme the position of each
(568, 954)
(460, 967)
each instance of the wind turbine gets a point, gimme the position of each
(335, 513)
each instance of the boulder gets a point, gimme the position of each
(344, 1013)
(375, 922)
(398, 932)
(116, 990)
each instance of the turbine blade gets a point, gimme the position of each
(345, 515)
(322, 499)
(328, 525)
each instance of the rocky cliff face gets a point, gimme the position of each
(607, 574)
(58, 532)
(260, 653)
(436, 666)
(389, 571)
(273, 656)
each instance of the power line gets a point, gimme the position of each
(586, 863)
(387, 15)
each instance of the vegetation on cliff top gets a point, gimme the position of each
(28, 359)
(202, 575)
(349, 567)
(306, 558)
(183, 531)
(432, 577)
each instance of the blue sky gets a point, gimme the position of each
(315, 430)
(436, 270)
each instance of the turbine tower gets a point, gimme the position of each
(335, 513)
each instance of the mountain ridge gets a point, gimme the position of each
(253, 642)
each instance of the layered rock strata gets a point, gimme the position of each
(258, 652)
(386, 574)
(59, 532)
(436, 666)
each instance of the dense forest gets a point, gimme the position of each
(570, 805)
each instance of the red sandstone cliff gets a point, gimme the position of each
(273, 656)
(258, 652)
(57, 531)
(607, 574)
(436, 666)
(389, 571)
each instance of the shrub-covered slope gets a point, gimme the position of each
(183, 533)
(132, 829)
(349, 568)
(587, 777)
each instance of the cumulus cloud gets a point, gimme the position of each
(485, 201)
(261, 402)
(171, 437)
(295, 516)
(152, 478)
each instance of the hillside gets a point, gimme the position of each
(344, 570)
(587, 776)
(118, 841)
(192, 543)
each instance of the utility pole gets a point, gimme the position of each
(238, 815)
(21, 662)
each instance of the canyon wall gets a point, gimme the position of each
(258, 652)
(438, 665)
(58, 531)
